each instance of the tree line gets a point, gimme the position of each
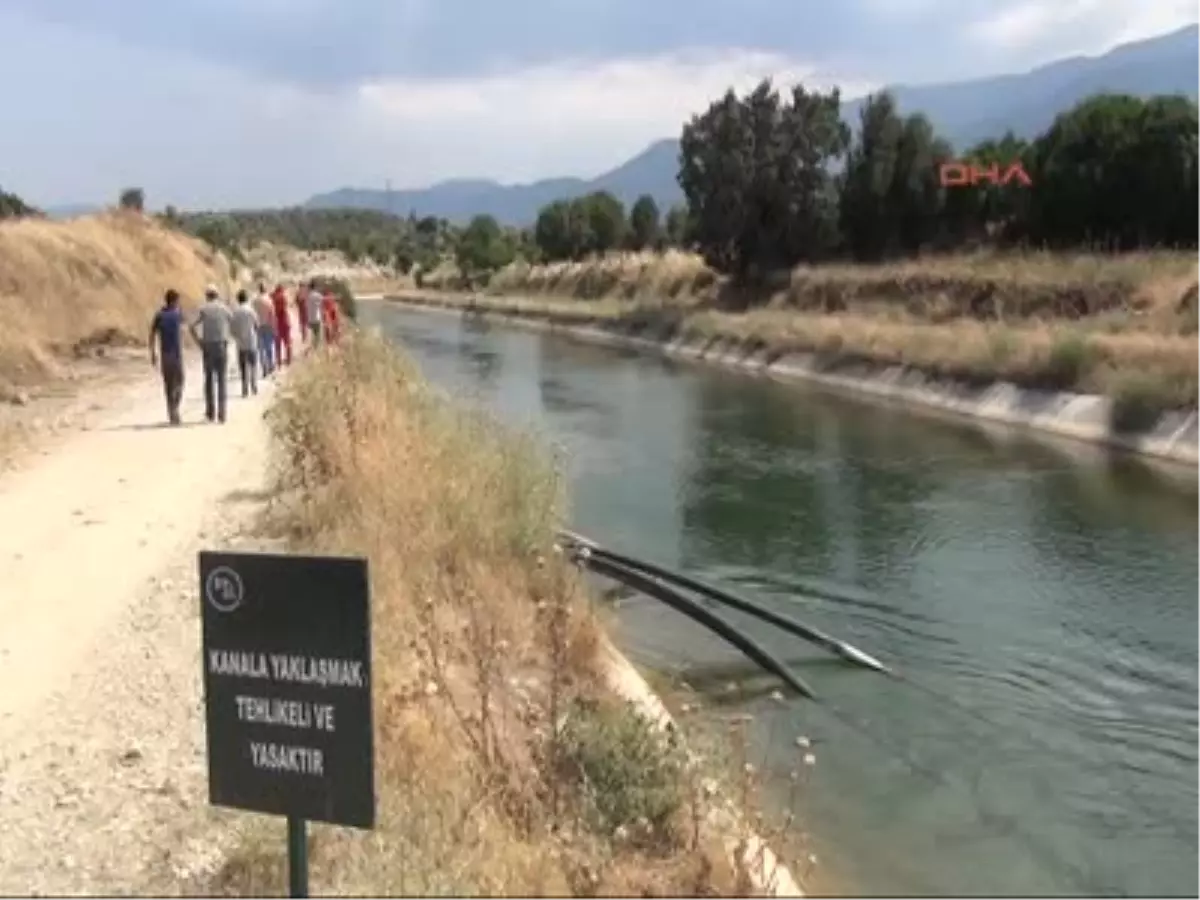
(772, 181)
(13, 207)
(403, 242)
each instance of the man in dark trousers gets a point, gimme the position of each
(167, 327)
(211, 329)
(245, 338)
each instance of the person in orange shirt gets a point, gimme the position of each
(302, 310)
(283, 327)
(329, 311)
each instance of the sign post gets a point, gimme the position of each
(287, 691)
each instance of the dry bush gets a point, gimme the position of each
(93, 280)
(492, 725)
(1124, 326)
(1145, 290)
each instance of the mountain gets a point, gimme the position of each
(968, 112)
(964, 112)
(650, 172)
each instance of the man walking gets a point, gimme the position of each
(167, 326)
(283, 327)
(301, 302)
(329, 311)
(245, 335)
(210, 329)
(265, 313)
(314, 300)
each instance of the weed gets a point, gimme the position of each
(1070, 357)
(1136, 403)
(632, 777)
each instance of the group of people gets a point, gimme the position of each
(261, 332)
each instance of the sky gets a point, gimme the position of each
(242, 103)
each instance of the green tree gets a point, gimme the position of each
(605, 221)
(756, 174)
(644, 225)
(867, 216)
(916, 195)
(677, 226)
(133, 198)
(429, 226)
(13, 207)
(1117, 171)
(986, 210)
(561, 231)
(483, 247)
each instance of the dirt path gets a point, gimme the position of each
(102, 780)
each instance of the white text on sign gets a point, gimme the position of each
(293, 713)
(285, 667)
(300, 714)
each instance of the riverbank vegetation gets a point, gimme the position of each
(358, 235)
(799, 236)
(503, 765)
(980, 318)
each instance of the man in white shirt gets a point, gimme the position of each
(245, 334)
(210, 329)
(313, 300)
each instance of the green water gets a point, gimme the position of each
(1041, 604)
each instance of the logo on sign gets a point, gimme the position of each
(223, 589)
(957, 174)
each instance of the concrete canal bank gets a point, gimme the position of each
(1172, 437)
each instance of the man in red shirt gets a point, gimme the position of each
(329, 308)
(283, 327)
(302, 311)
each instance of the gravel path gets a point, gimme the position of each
(102, 768)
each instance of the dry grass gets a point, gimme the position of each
(278, 263)
(503, 768)
(65, 286)
(1123, 326)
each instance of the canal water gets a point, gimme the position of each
(1041, 603)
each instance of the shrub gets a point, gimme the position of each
(13, 207)
(1070, 357)
(1136, 403)
(133, 198)
(631, 775)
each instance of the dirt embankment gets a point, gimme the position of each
(1124, 327)
(69, 287)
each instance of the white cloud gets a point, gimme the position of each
(87, 114)
(572, 117)
(198, 133)
(1062, 27)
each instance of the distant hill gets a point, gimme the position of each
(72, 210)
(967, 112)
(964, 112)
(650, 172)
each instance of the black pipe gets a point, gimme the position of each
(696, 612)
(841, 648)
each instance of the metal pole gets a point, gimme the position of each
(297, 856)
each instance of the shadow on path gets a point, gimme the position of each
(153, 426)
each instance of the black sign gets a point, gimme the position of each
(287, 685)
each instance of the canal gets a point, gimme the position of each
(1041, 603)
